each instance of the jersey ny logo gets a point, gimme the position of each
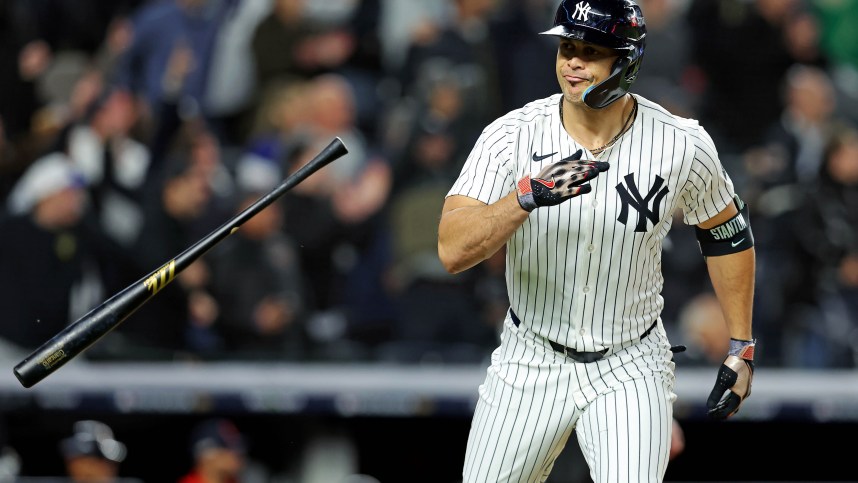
(544, 156)
(582, 10)
(632, 197)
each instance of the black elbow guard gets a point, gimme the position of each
(732, 236)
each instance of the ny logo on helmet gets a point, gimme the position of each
(582, 10)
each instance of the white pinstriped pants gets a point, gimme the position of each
(621, 408)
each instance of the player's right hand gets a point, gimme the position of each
(733, 384)
(558, 182)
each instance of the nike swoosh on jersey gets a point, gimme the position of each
(735, 244)
(540, 158)
(547, 184)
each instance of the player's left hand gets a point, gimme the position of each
(733, 385)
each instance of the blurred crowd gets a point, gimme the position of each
(208, 449)
(130, 129)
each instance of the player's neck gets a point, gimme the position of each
(598, 129)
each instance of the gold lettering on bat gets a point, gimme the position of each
(161, 277)
(52, 359)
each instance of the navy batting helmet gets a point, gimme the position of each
(616, 24)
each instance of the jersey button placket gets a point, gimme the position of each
(588, 223)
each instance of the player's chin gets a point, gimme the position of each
(572, 96)
(573, 91)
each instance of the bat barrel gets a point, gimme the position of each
(75, 338)
(61, 349)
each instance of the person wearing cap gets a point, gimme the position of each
(92, 454)
(218, 451)
(53, 266)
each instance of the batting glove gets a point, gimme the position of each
(558, 182)
(734, 380)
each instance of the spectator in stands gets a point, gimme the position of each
(334, 220)
(333, 114)
(257, 280)
(315, 112)
(721, 28)
(76, 27)
(114, 163)
(825, 227)
(231, 89)
(54, 267)
(277, 128)
(437, 136)
(218, 450)
(464, 47)
(777, 174)
(24, 57)
(92, 454)
(423, 329)
(426, 330)
(14, 160)
(795, 143)
(162, 327)
(300, 40)
(803, 39)
(515, 28)
(170, 54)
(361, 185)
(400, 21)
(290, 45)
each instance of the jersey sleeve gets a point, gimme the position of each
(709, 188)
(486, 175)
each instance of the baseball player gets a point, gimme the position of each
(580, 187)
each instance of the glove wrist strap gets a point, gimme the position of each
(743, 349)
(525, 195)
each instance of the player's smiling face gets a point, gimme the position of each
(580, 65)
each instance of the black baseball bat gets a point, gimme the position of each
(77, 337)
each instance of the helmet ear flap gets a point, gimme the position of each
(623, 74)
(635, 60)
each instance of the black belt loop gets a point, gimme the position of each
(515, 320)
(646, 332)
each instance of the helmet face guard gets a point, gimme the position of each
(615, 24)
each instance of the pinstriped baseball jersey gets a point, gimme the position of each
(587, 272)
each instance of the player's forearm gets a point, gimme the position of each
(468, 235)
(733, 280)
